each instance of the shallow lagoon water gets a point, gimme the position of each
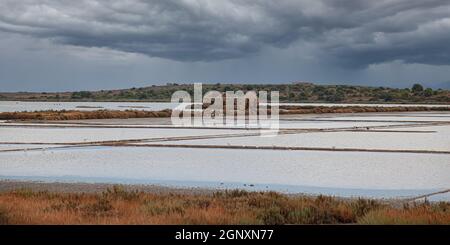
(362, 104)
(435, 138)
(288, 189)
(70, 135)
(327, 124)
(370, 116)
(365, 172)
(424, 118)
(12, 106)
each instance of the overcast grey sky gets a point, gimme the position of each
(56, 45)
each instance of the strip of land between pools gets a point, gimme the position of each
(53, 115)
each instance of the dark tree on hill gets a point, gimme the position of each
(417, 88)
(81, 95)
(428, 92)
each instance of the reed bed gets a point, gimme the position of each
(118, 206)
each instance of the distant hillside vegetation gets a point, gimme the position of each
(295, 92)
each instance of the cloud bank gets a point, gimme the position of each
(351, 33)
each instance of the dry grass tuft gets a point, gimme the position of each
(417, 214)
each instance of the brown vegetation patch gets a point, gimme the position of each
(81, 115)
(415, 215)
(117, 206)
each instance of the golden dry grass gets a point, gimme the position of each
(117, 206)
(422, 214)
(80, 115)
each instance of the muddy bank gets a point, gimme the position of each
(57, 187)
(354, 109)
(121, 205)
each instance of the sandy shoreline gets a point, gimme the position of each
(79, 187)
(7, 185)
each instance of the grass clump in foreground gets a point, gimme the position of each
(118, 206)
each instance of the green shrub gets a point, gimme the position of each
(119, 192)
(272, 216)
(163, 208)
(362, 206)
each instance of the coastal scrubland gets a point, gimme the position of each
(293, 92)
(119, 206)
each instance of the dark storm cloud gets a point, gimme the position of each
(354, 33)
